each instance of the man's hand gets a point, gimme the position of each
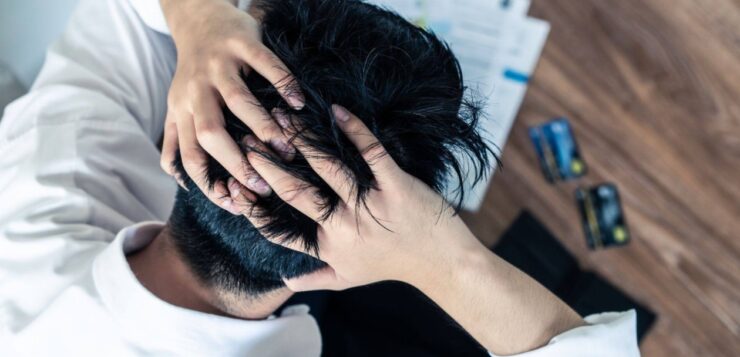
(404, 227)
(405, 231)
(215, 41)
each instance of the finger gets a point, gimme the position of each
(293, 191)
(169, 149)
(241, 196)
(269, 66)
(247, 209)
(195, 163)
(247, 108)
(169, 145)
(370, 148)
(213, 138)
(331, 170)
(322, 279)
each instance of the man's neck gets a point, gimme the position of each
(161, 270)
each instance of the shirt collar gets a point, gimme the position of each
(153, 325)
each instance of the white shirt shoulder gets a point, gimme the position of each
(79, 169)
(78, 159)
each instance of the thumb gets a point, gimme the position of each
(322, 279)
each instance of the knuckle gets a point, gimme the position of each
(194, 87)
(291, 199)
(259, 54)
(242, 173)
(192, 170)
(171, 101)
(237, 42)
(288, 195)
(166, 165)
(354, 127)
(207, 131)
(197, 84)
(268, 131)
(373, 153)
(214, 63)
(170, 126)
(254, 160)
(192, 159)
(330, 166)
(167, 157)
(235, 93)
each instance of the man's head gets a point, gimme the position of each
(400, 80)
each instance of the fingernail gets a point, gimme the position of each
(263, 188)
(340, 113)
(234, 187)
(281, 118)
(296, 101)
(285, 150)
(257, 184)
(250, 141)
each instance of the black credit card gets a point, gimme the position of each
(602, 216)
(557, 151)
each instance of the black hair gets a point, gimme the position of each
(403, 82)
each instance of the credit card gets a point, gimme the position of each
(557, 150)
(602, 216)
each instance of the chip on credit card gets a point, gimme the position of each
(602, 216)
(556, 148)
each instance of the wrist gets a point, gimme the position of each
(174, 12)
(452, 256)
(179, 14)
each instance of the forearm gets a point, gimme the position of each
(501, 307)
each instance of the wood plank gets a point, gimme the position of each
(651, 88)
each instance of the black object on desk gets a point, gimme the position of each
(530, 247)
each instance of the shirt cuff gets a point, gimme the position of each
(151, 13)
(609, 333)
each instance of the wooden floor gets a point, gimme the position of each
(652, 88)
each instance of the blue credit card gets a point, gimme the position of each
(557, 150)
(602, 217)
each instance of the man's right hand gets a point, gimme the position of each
(402, 228)
(405, 231)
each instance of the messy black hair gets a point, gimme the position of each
(403, 82)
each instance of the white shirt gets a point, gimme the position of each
(80, 185)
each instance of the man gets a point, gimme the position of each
(404, 80)
(84, 272)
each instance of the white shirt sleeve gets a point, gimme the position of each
(606, 335)
(78, 154)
